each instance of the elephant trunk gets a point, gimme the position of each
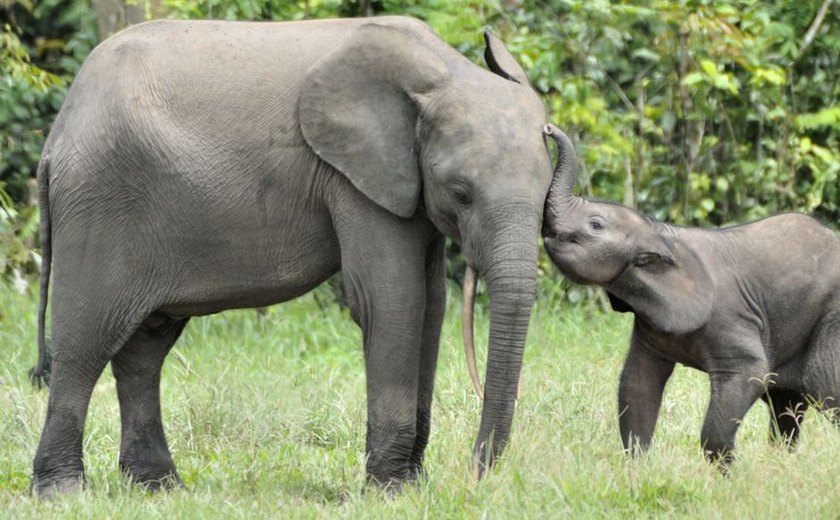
(511, 280)
(560, 194)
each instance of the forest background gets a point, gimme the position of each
(701, 113)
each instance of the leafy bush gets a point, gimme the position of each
(701, 113)
(31, 92)
(705, 112)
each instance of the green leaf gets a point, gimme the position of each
(827, 117)
(693, 78)
(645, 54)
(709, 68)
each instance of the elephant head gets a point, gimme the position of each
(418, 128)
(644, 265)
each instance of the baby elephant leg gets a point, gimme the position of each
(640, 395)
(787, 408)
(821, 370)
(732, 396)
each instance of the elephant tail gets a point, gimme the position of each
(40, 375)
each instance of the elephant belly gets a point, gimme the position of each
(254, 269)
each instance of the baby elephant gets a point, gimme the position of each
(756, 306)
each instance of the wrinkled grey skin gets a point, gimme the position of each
(201, 166)
(751, 305)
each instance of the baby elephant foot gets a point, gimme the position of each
(416, 472)
(722, 459)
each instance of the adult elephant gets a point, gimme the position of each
(201, 166)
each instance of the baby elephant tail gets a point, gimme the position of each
(40, 375)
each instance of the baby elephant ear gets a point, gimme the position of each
(501, 61)
(358, 111)
(668, 287)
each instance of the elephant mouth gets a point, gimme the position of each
(580, 264)
(566, 253)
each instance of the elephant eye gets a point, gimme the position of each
(597, 223)
(461, 195)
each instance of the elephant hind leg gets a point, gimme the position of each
(787, 408)
(144, 453)
(83, 343)
(820, 372)
(58, 466)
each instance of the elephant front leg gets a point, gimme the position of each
(386, 288)
(732, 395)
(643, 380)
(392, 325)
(429, 346)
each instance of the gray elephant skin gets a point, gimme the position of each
(198, 166)
(756, 306)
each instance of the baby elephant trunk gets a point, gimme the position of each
(560, 194)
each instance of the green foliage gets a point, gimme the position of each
(28, 95)
(38, 57)
(18, 225)
(705, 112)
(40, 51)
(254, 9)
(701, 112)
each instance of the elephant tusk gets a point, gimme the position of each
(468, 329)
(467, 325)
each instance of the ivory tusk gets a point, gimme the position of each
(468, 329)
(467, 325)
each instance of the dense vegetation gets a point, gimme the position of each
(701, 112)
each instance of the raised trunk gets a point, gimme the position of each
(511, 279)
(565, 174)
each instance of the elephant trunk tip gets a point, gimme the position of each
(561, 191)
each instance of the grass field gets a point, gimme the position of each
(266, 416)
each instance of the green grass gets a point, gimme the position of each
(266, 417)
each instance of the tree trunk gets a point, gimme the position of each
(114, 15)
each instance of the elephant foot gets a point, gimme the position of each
(722, 460)
(394, 481)
(394, 486)
(152, 476)
(391, 487)
(417, 472)
(47, 488)
(53, 476)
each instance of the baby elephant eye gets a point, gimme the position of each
(597, 223)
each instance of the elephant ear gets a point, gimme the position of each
(358, 111)
(667, 286)
(501, 61)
